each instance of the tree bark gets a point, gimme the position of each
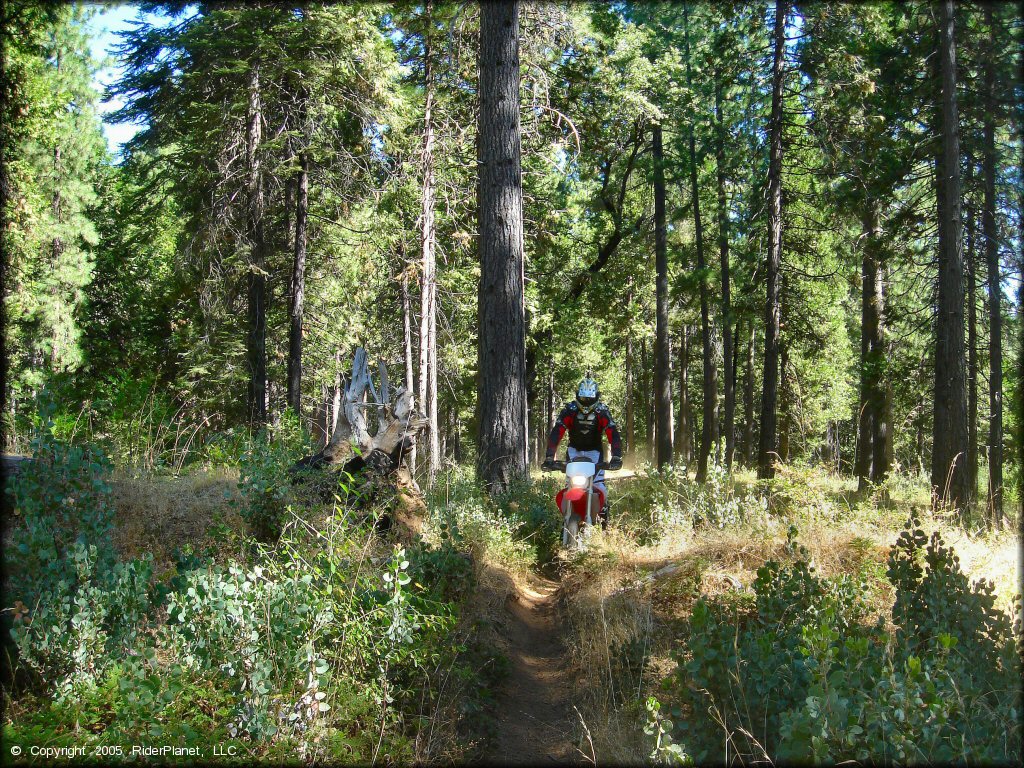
(256, 340)
(873, 433)
(710, 389)
(647, 398)
(428, 287)
(630, 395)
(972, 346)
(785, 402)
(949, 436)
(723, 248)
(501, 449)
(990, 233)
(748, 400)
(767, 442)
(662, 382)
(683, 425)
(298, 289)
(407, 343)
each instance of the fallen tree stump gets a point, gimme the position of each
(353, 450)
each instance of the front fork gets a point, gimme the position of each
(567, 510)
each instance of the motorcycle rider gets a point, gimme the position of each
(585, 419)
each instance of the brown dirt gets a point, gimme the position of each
(534, 711)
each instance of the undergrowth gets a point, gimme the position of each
(327, 640)
(724, 635)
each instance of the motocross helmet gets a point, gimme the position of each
(587, 394)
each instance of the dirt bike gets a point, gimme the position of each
(574, 501)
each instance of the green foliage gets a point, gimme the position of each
(461, 510)
(76, 608)
(655, 504)
(61, 498)
(802, 676)
(55, 152)
(304, 647)
(264, 482)
(74, 630)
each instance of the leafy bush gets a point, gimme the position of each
(73, 631)
(655, 505)
(458, 505)
(800, 675)
(61, 497)
(264, 482)
(74, 606)
(303, 647)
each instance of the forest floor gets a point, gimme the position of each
(534, 708)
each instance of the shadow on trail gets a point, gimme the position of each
(534, 717)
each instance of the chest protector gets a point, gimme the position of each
(585, 435)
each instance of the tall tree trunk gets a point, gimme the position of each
(298, 289)
(410, 385)
(256, 340)
(748, 400)
(683, 425)
(728, 344)
(881, 426)
(988, 224)
(766, 453)
(709, 427)
(972, 345)
(644, 399)
(872, 444)
(501, 449)
(428, 278)
(949, 436)
(785, 402)
(630, 396)
(662, 383)
(865, 412)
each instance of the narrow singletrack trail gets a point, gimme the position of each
(535, 714)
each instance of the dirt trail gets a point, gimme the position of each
(535, 714)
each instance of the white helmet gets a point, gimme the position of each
(587, 394)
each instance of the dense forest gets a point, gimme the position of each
(787, 239)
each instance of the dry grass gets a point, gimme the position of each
(159, 514)
(619, 594)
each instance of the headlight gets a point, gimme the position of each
(578, 481)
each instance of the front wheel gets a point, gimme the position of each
(571, 532)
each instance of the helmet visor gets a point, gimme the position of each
(586, 401)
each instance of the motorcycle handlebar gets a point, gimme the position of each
(559, 466)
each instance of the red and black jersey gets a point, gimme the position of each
(585, 429)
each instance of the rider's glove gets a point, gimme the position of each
(615, 463)
(549, 462)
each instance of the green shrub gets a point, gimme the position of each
(75, 608)
(74, 630)
(651, 506)
(62, 497)
(265, 485)
(801, 676)
(301, 649)
(483, 527)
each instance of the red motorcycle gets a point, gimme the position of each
(574, 501)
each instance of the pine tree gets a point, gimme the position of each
(501, 452)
